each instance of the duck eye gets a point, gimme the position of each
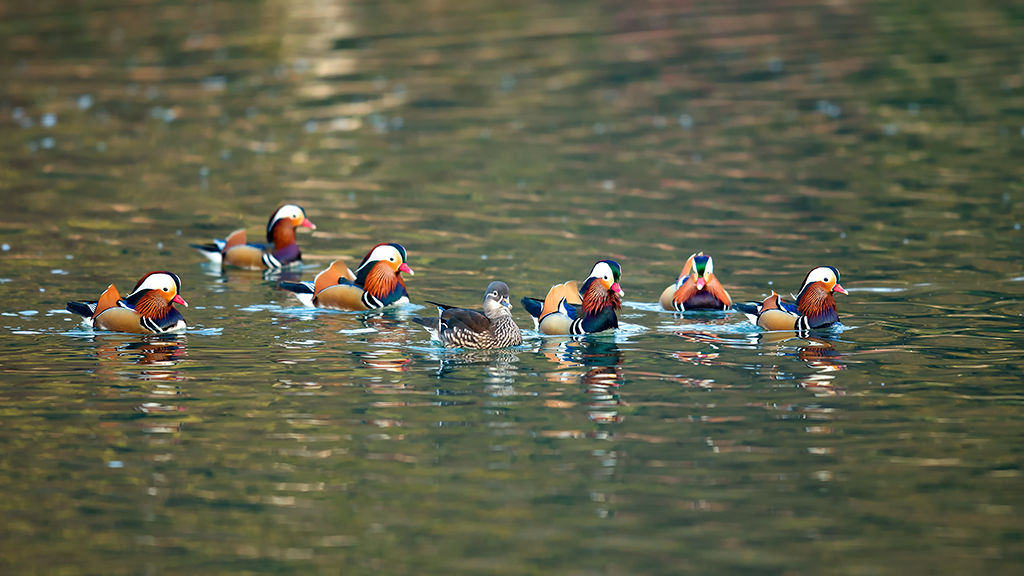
(164, 289)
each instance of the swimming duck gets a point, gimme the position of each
(566, 310)
(697, 287)
(376, 283)
(149, 309)
(282, 250)
(463, 328)
(815, 306)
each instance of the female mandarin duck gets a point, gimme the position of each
(463, 328)
(815, 306)
(376, 283)
(149, 309)
(566, 310)
(697, 288)
(282, 250)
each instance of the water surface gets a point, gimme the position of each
(519, 142)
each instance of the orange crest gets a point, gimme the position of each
(108, 300)
(568, 290)
(236, 238)
(331, 275)
(772, 302)
(687, 268)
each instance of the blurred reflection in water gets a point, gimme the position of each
(596, 365)
(818, 354)
(154, 351)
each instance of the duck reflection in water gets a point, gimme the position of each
(118, 356)
(817, 353)
(243, 277)
(702, 358)
(500, 364)
(277, 275)
(596, 363)
(390, 333)
(148, 351)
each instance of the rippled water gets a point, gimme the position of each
(522, 142)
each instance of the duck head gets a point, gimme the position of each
(393, 257)
(815, 299)
(607, 274)
(496, 299)
(281, 226)
(155, 293)
(601, 289)
(701, 269)
(823, 278)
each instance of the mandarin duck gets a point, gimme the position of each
(149, 309)
(494, 327)
(697, 288)
(566, 310)
(815, 306)
(376, 283)
(280, 252)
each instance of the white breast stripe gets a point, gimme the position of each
(371, 301)
(150, 324)
(270, 261)
(577, 327)
(804, 325)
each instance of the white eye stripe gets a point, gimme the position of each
(290, 211)
(824, 274)
(157, 282)
(601, 270)
(384, 253)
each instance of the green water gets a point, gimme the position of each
(518, 141)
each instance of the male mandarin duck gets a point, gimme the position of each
(376, 283)
(566, 310)
(282, 250)
(697, 287)
(463, 328)
(815, 306)
(149, 309)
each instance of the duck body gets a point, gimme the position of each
(376, 283)
(148, 309)
(697, 288)
(592, 308)
(281, 250)
(493, 327)
(815, 306)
